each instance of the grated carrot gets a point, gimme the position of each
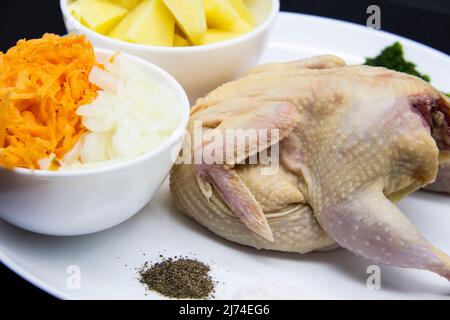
(42, 84)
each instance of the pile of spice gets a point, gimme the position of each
(180, 278)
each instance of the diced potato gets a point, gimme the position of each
(241, 26)
(190, 17)
(100, 15)
(129, 4)
(221, 14)
(149, 23)
(179, 41)
(243, 10)
(217, 35)
(121, 29)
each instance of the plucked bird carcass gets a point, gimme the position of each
(352, 141)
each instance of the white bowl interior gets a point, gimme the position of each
(260, 9)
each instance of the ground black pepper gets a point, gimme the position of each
(179, 277)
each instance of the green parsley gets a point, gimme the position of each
(392, 57)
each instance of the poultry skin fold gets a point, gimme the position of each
(352, 141)
(442, 183)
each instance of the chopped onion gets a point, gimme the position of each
(132, 115)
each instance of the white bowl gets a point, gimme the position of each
(89, 200)
(199, 68)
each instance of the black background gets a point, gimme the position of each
(424, 21)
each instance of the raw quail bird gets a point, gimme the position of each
(353, 140)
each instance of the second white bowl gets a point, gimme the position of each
(89, 200)
(199, 69)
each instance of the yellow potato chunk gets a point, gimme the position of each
(99, 15)
(244, 12)
(221, 14)
(241, 26)
(149, 23)
(190, 17)
(129, 4)
(120, 30)
(179, 41)
(217, 35)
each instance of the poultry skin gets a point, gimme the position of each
(442, 183)
(352, 141)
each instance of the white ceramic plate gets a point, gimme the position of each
(107, 260)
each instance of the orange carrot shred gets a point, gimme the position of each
(42, 84)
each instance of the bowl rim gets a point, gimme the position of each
(175, 138)
(161, 49)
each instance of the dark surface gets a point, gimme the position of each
(424, 21)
